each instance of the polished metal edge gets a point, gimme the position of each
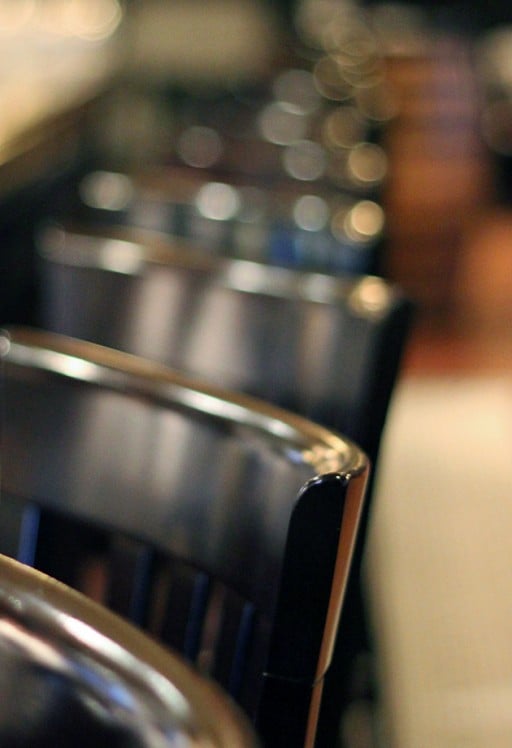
(71, 619)
(52, 353)
(131, 251)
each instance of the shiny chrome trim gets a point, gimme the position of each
(66, 617)
(324, 450)
(367, 296)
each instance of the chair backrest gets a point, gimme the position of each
(74, 674)
(292, 224)
(222, 525)
(325, 347)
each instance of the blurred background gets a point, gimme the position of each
(416, 137)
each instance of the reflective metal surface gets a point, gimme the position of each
(117, 461)
(310, 342)
(290, 224)
(91, 430)
(72, 674)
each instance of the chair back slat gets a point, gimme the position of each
(233, 643)
(19, 527)
(130, 571)
(180, 598)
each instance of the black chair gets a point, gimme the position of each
(328, 348)
(223, 526)
(301, 225)
(72, 674)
